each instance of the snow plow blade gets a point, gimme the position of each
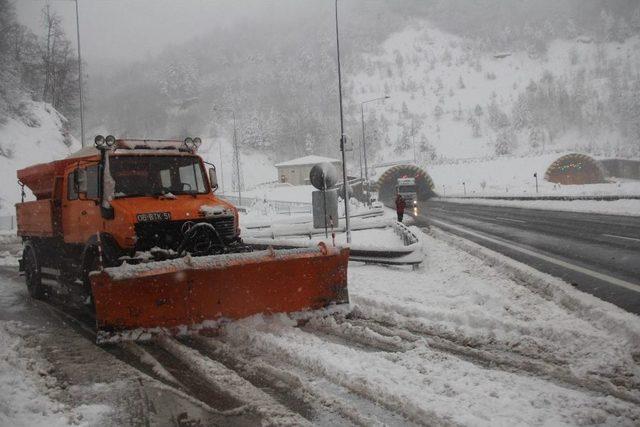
(187, 295)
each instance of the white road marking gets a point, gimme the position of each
(622, 237)
(511, 219)
(600, 276)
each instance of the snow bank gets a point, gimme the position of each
(27, 389)
(613, 207)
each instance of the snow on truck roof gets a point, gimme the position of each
(307, 160)
(141, 146)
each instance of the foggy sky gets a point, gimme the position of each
(125, 30)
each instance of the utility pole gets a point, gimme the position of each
(80, 77)
(236, 158)
(535, 175)
(413, 141)
(221, 171)
(343, 138)
(364, 144)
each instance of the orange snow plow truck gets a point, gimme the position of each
(133, 229)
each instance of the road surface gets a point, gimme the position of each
(599, 254)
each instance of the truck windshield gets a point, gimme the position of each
(406, 189)
(156, 175)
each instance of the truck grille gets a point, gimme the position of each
(168, 234)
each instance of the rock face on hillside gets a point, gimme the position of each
(38, 135)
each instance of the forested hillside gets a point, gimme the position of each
(563, 74)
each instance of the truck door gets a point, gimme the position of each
(81, 217)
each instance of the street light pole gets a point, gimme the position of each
(236, 151)
(364, 144)
(343, 136)
(236, 155)
(80, 77)
(221, 171)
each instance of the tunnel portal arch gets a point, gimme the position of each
(386, 184)
(575, 169)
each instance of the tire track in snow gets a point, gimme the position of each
(314, 364)
(227, 382)
(395, 325)
(277, 378)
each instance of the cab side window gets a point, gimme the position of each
(71, 191)
(92, 182)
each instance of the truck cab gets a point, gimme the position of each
(406, 187)
(120, 199)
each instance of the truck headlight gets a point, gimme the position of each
(415, 202)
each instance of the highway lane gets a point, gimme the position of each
(599, 254)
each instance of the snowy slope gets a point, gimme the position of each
(425, 69)
(42, 140)
(255, 167)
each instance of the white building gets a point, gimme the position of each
(296, 171)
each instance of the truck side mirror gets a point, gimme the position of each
(213, 179)
(80, 180)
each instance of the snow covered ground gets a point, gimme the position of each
(459, 341)
(614, 207)
(513, 176)
(38, 138)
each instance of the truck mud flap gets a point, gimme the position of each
(186, 295)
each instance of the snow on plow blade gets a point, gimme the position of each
(189, 294)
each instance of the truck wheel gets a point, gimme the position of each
(32, 272)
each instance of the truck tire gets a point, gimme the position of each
(32, 274)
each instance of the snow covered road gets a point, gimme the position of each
(458, 342)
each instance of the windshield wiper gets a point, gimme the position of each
(130, 195)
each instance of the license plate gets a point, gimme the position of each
(154, 216)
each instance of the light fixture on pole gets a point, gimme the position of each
(236, 151)
(343, 137)
(364, 144)
(80, 77)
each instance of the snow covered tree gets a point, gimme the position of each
(520, 114)
(308, 144)
(506, 142)
(180, 80)
(437, 112)
(426, 149)
(475, 126)
(536, 138)
(497, 118)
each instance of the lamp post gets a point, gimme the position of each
(364, 144)
(221, 171)
(236, 151)
(343, 137)
(80, 77)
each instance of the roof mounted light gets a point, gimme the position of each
(99, 141)
(192, 144)
(110, 140)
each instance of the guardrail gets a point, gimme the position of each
(408, 237)
(281, 207)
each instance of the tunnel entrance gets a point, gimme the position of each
(386, 184)
(575, 169)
